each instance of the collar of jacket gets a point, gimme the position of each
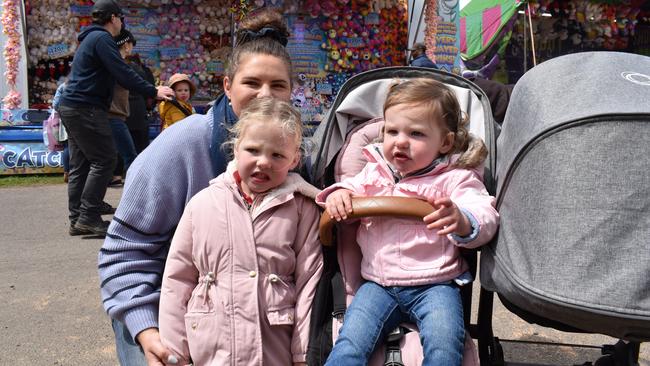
(223, 117)
(293, 184)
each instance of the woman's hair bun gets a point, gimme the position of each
(265, 23)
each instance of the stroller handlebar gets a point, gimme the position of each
(376, 206)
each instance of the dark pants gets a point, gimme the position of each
(140, 139)
(92, 160)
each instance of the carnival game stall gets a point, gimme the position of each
(330, 41)
(548, 29)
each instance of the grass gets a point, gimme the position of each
(30, 180)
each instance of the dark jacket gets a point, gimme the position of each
(137, 120)
(498, 94)
(423, 61)
(97, 65)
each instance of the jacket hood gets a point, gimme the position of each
(92, 28)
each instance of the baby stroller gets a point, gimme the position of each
(573, 193)
(351, 124)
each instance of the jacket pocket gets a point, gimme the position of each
(420, 248)
(206, 336)
(280, 294)
(286, 316)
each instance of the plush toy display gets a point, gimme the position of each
(375, 28)
(567, 26)
(195, 38)
(584, 24)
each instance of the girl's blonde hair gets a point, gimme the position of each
(268, 110)
(441, 105)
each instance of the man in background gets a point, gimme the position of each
(84, 108)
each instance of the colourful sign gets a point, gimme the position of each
(23, 117)
(81, 10)
(304, 47)
(28, 158)
(215, 67)
(58, 50)
(447, 51)
(171, 53)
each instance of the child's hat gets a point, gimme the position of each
(176, 78)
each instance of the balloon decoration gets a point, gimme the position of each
(10, 26)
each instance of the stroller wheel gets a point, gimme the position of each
(496, 353)
(620, 354)
(605, 361)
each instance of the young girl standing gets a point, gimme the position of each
(245, 259)
(413, 269)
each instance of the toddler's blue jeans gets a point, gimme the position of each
(375, 311)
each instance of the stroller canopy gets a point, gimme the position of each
(573, 192)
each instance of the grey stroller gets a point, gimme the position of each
(573, 192)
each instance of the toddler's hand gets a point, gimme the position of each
(447, 217)
(339, 204)
(300, 364)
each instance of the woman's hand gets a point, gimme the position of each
(154, 352)
(448, 218)
(339, 204)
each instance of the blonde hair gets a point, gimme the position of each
(442, 105)
(268, 110)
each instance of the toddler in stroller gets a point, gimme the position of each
(419, 148)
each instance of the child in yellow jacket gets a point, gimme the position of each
(172, 111)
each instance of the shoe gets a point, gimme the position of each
(106, 209)
(97, 228)
(73, 231)
(116, 182)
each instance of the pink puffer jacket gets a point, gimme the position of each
(401, 251)
(238, 284)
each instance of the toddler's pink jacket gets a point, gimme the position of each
(402, 251)
(238, 284)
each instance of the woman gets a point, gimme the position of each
(119, 112)
(179, 163)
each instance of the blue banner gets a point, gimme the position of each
(28, 158)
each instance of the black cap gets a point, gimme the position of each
(107, 7)
(123, 37)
